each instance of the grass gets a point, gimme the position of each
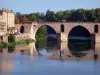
(21, 42)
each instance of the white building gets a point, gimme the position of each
(7, 21)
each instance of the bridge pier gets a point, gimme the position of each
(33, 51)
(65, 49)
(32, 32)
(64, 37)
(97, 37)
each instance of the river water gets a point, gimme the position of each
(51, 57)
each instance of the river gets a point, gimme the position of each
(51, 57)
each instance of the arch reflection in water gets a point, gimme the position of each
(79, 48)
(79, 41)
(46, 46)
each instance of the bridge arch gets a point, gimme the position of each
(79, 40)
(53, 30)
(79, 31)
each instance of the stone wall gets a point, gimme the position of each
(22, 37)
(5, 38)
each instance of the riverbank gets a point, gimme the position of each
(21, 42)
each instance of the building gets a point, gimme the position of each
(7, 21)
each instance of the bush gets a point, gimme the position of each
(3, 45)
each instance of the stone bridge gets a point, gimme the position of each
(63, 29)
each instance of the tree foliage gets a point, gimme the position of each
(79, 15)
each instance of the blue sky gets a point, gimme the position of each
(29, 6)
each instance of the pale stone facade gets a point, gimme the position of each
(7, 24)
(7, 21)
(3, 28)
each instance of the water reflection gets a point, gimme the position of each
(11, 49)
(1, 50)
(46, 46)
(79, 48)
(26, 59)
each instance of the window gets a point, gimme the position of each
(96, 29)
(22, 29)
(62, 28)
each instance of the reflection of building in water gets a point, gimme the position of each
(4, 50)
(23, 49)
(6, 65)
(27, 49)
(72, 52)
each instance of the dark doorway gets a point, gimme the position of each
(62, 28)
(22, 29)
(96, 28)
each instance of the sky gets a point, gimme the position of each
(30, 6)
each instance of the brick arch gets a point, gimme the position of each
(88, 32)
(42, 26)
(84, 26)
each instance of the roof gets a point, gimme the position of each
(5, 10)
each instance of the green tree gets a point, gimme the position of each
(97, 14)
(59, 16)
(66, 15)
(32, 17)
(50, 16)
(90, 15)
(41, 33)
(78, 15)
